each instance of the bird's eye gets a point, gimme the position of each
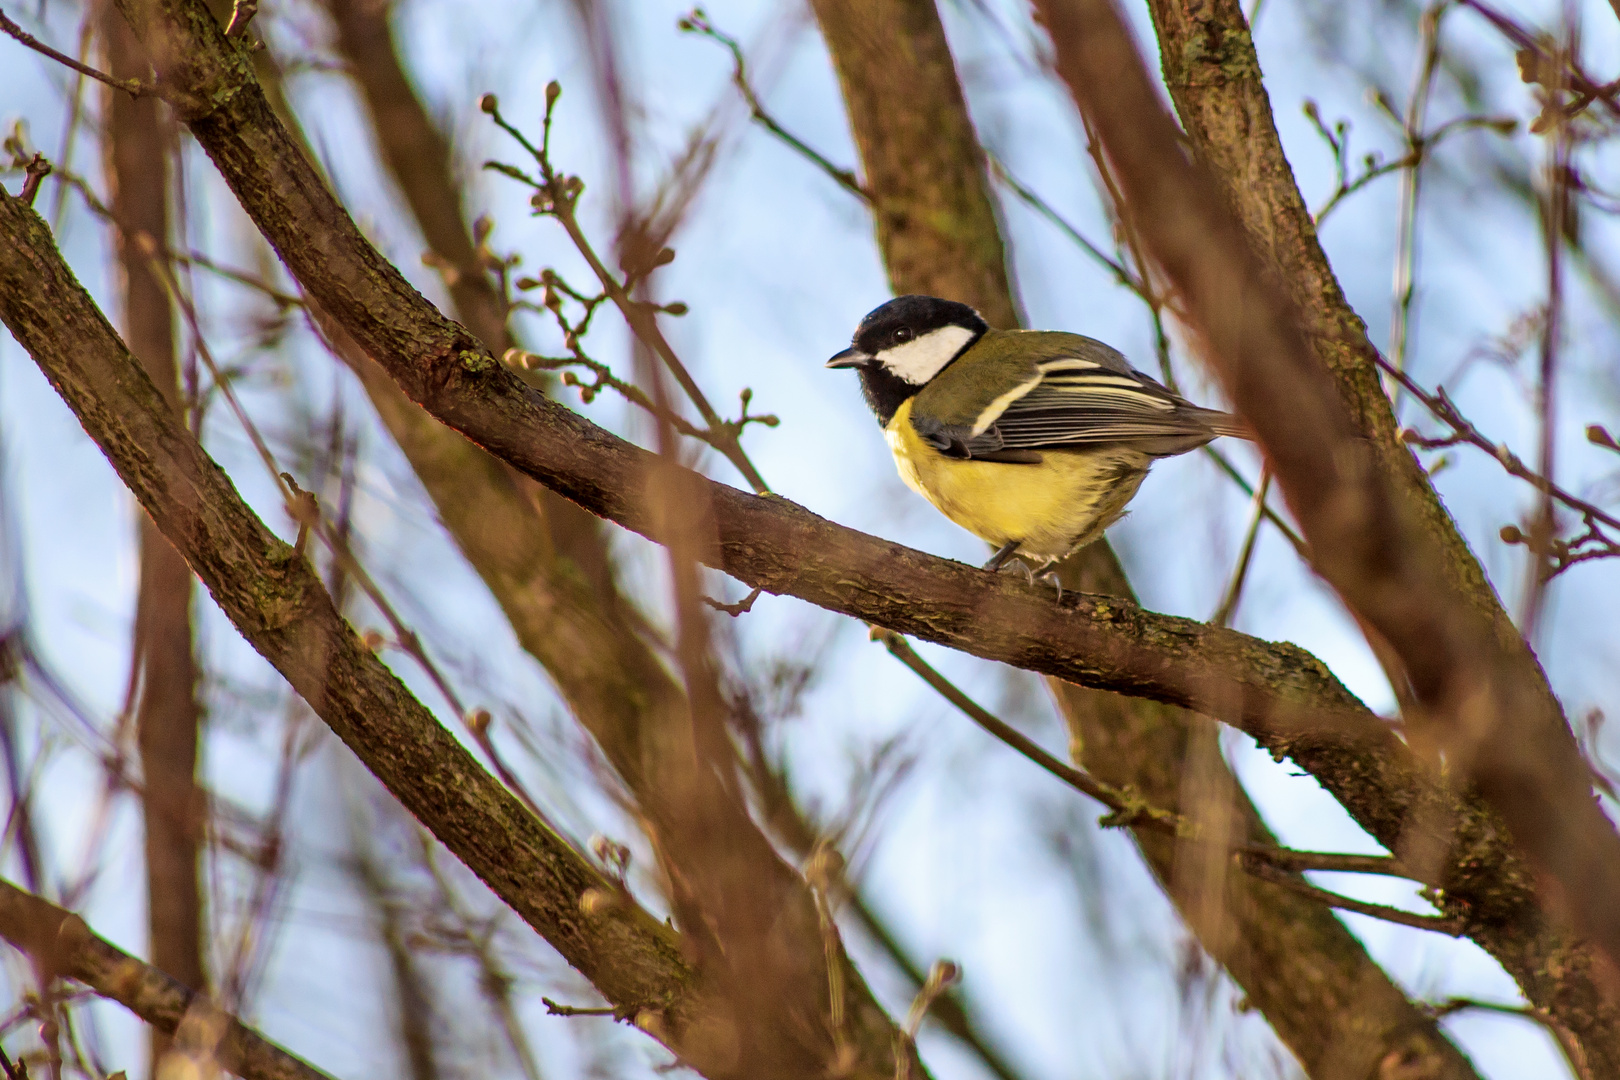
(902, 335)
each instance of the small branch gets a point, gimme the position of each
(741, 607)
(1567, 1041)
(557, 196)
(1240, 573)
(1534, 58)
(1128, 809)
(554, 1009)
(34, 174)
(1332, 862)
(1441, 405)
(1035, 202)
(132, 87)
(1452, 927)
(698, 23)
(942, 975)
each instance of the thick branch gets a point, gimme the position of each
(60, 942)
(137, 141)
(275, 600)
(1322, 994)
(1489, 704)
(1214, 77)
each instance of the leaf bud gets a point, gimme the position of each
(553, 92)
(478, 721)
(664, 257)
(1511, 534)
(677, 308)
(487, 104)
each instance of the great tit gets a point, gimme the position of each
(1032, 440)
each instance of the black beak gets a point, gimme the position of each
(850, 357)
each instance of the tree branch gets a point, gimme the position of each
(1487, 701)
(768, 543)
(273, 597)
(59, 941)
(1213, 75)
(938, 231)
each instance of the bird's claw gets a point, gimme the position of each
(1052, 579)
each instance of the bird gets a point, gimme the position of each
(1034, 441)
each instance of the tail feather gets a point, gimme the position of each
(1222, 423)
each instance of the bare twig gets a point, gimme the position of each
(34, 174)
(1439, 924)
(1240, 573)
(557, 195)
(133, 87)
(1440, 404)
(741, 607)
(697, 22)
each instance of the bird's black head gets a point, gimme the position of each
(900, 346)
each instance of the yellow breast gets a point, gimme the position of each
(1051, 508)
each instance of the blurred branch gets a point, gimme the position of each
(1489, 703)
(1558, 71)
(61, 942)
(137, 135)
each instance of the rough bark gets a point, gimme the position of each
(1483, 697)
(138, 142)
(1315, 984)
(60, 942)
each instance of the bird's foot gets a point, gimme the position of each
(1002, 555)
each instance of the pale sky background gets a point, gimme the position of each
(1070, 951)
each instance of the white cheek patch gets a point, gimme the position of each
(920, 360)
